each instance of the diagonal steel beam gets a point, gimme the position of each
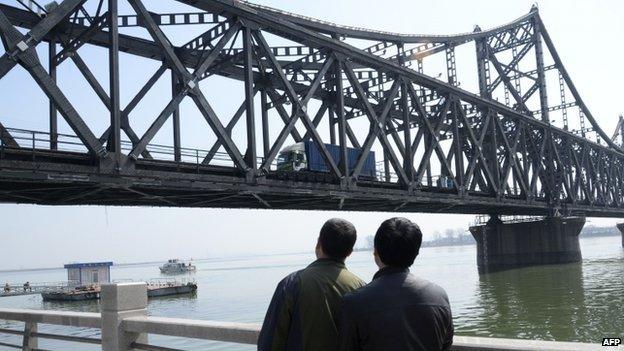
(518, 171)
(30, 61)
(151, 50)
(103, 95)
(81, 39)
(514, 62)
(516, 71)
(561, 168)
(373, 118)
(157, 124)
(581, 174)
(350, 134)
(142, 92)
(477, 154)
(424, 121)
(190, 86)
(6, 138)
(507, 82)
(317, 118)
(211, 117)
(375, 130)
(19, 44)
(70, 114)
(147, 22)
(133, 103)
(229, 127)
(536, 159)
(277, 100)
(571, 86)
(510, 151)
(393, 132)
(299, 106)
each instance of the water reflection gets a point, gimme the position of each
(527, 302)
(604, 296)
(572, 302)
(74, 306)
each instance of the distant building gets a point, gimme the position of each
(89, 273)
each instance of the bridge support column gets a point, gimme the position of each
(502, 246)
(119, 301)
(620, 226)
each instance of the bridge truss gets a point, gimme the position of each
(509, 147)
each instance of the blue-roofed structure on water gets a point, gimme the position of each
(93, 273)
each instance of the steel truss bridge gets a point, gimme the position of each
(522, 142)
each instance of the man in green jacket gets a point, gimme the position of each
(305, 308)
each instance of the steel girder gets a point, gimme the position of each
(488, 157)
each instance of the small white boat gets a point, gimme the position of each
(176, 266)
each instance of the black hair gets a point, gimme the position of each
(397, 242)
(337, 238)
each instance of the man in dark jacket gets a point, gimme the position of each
(396, 311)
(305, 309)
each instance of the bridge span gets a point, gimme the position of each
(509, 147)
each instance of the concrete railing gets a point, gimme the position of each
(125, 326)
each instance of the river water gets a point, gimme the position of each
(571, 302)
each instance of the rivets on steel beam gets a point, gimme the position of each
(22, 46)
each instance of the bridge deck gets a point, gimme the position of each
(63, 178)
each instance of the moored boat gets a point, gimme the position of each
(171, 289)
(93, 292)
(175, 266)
(77, 294)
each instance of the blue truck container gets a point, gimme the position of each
(316, 161)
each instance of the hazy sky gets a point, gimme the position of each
(586, 34)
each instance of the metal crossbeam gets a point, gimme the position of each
(162, 19)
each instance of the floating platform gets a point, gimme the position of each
(93, 293)
(172, 290)
(72, 295)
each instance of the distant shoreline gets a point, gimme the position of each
(467, 240)
(462, 240)
(55, 268)
(129, 264)
(61, 267)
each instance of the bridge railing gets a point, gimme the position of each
(40, 141)
(483, 219)
(123, 325)
(31, 319)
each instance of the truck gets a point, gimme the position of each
(304, 158)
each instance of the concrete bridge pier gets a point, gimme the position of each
(551, 240)
(620, 226)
